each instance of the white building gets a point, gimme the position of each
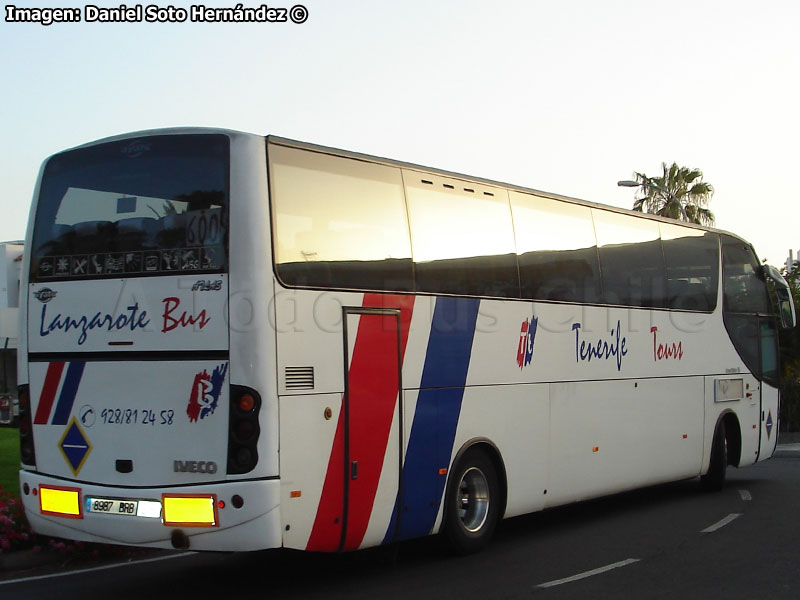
(10, 270)
(792, 260)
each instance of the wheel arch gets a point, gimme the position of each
(490, 449)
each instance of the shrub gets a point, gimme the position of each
(15, 532)
(16, 535)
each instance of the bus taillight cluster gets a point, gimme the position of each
(243, 430)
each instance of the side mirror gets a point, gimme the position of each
(785, 302)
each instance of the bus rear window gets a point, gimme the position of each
(147, 206)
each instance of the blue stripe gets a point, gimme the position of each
(68, 392)
(436, 417)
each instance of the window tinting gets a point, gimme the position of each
(144, 206)
(769, 351)
(461, 237)
(345, 223)
(746, 310)
(692, 261)
(744, 333)
(339, 222)
(744, 288)
(631, 261)
(557, 250)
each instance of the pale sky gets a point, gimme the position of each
(562, 96)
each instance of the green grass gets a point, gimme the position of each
(9, 459)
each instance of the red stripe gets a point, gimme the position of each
(327, 531)
(373, 392)
(51, 381)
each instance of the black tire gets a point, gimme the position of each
(714, 480)
(472, 503)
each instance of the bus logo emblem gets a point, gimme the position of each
(527, 337)
(206, 390)
(45, 295)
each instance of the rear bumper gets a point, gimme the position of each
(255, 525)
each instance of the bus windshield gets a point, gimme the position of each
(153, 205)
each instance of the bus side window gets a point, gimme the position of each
(556, 249)
(631, 260)
(462, 238)
(338, 223)
(692, 262)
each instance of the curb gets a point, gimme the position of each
(28, 559)
(788, 437)
(24, 562)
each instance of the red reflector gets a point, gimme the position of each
(295, 494)
(60, 502)
(189, 510)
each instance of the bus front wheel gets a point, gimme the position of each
(714, 480)
(472, 503)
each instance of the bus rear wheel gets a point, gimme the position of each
(472, 503)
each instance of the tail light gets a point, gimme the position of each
(243, 430)
(27, 450)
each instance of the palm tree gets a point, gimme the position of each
(680, 193)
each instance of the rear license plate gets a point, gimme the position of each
(111, 506)
(129, 508)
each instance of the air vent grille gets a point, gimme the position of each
(299, 378)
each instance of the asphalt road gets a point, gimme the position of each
(672, 541)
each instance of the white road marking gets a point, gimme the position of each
(745, 495)
(591, 573)
(729, 519)
(103, 568)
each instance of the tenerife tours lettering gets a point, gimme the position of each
(665, 350)
(603, 349)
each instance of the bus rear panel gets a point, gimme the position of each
(139, 430)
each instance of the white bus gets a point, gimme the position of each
(234, 342)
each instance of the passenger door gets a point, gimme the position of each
(372, 418)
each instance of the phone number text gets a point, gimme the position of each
(134, 416)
